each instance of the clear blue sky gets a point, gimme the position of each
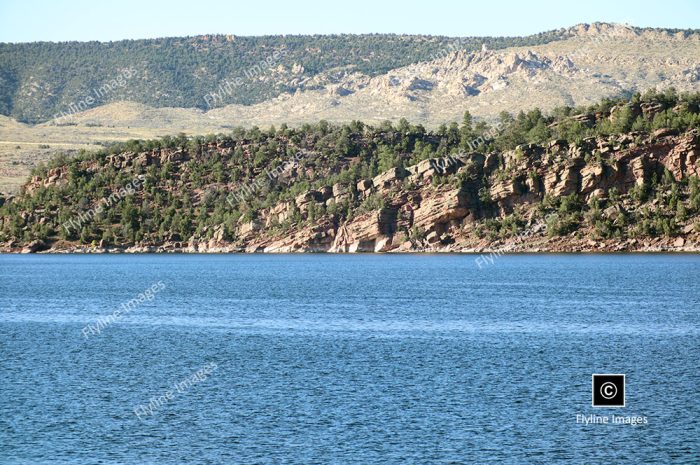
(104, 20)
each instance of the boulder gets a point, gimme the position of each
(664, 132)
(389, 178)
(361, 246)
(599, 193)
(383, 244)
(340, 189)
(432, 166)
(173, 156)
(364, 185)
(279, 213)
(433, 237)
(591, 176)
(557, 145)
(35, 246)
(423, 169)
(302, 200)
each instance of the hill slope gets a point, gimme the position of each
(295, 79)
(38, 80)
(105, 92)
(622, 175)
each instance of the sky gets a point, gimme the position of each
(105, 20)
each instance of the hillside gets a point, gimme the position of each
(107, 92)
(617, 175)
(220, 81)
(39, 80)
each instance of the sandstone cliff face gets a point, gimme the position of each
(443, 217)
(440, 204)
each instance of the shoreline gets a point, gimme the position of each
(537, 243)
(495, 252)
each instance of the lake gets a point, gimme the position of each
(347, 359)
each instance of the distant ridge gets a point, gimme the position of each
(42, 80)
(572, 66)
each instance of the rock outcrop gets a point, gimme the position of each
(441, 204)
(444, 215)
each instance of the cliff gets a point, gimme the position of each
(294, 191)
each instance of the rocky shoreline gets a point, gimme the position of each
(538, 245)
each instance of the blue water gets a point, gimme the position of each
(324, 359)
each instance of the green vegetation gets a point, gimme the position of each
(39, 80)
(188, 182)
